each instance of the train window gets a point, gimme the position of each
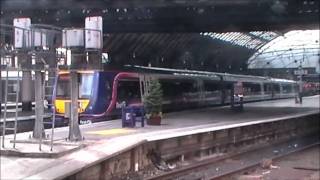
(169, 88)
(251, 88)
(128, 91)
(210, 86)
(174, 88)
(188, 87)
(287, 88)
(276, 88)
(267, 88)
(228, 86)
(63, 86)
(85, 86)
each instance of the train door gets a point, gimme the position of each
(281, 90)
(188, 90)
(227, 91)
(262, 91)
(276, 90)
(212, 92)
(223, 92)
(286, 90)
(267, 89)
(201, 91)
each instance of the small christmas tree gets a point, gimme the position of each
(153, 100)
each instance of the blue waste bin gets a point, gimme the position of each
(139, 114)
(131, 115)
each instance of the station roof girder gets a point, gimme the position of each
(171, 15)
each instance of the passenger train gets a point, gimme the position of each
(102, 93)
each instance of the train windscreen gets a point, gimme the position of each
(85, 86)
(63, 86)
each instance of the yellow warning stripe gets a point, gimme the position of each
(112, 131)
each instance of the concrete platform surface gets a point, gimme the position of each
(107, 139)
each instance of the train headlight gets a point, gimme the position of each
(60, 105)
(83, 104)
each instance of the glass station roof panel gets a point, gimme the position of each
(265, 35)
(257, 33)
(293, 49)
(252, 40)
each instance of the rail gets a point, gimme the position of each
(202, 166)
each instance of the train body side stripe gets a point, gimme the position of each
(114, 91)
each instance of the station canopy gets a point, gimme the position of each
(209, 51)
(293, 49)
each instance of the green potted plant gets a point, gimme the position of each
(153, 103)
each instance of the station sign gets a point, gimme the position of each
(22, 34)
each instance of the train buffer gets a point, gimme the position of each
(131, 115)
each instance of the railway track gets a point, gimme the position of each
(227, 166)
(229, 174)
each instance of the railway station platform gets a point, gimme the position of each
(105, 140)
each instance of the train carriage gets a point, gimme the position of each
(103, 93)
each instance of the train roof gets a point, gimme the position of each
(282, 80)
(168, 70)
(177, 72)
(209, 75)
(202, 74)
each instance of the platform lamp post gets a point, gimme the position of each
(300, 73)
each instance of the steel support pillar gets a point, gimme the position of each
(1, 94)
(94, 60)
(26, 85)
(74, 129)
(300, 89)
(39, 108)
(26, 91)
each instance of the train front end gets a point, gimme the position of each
(63, 89)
